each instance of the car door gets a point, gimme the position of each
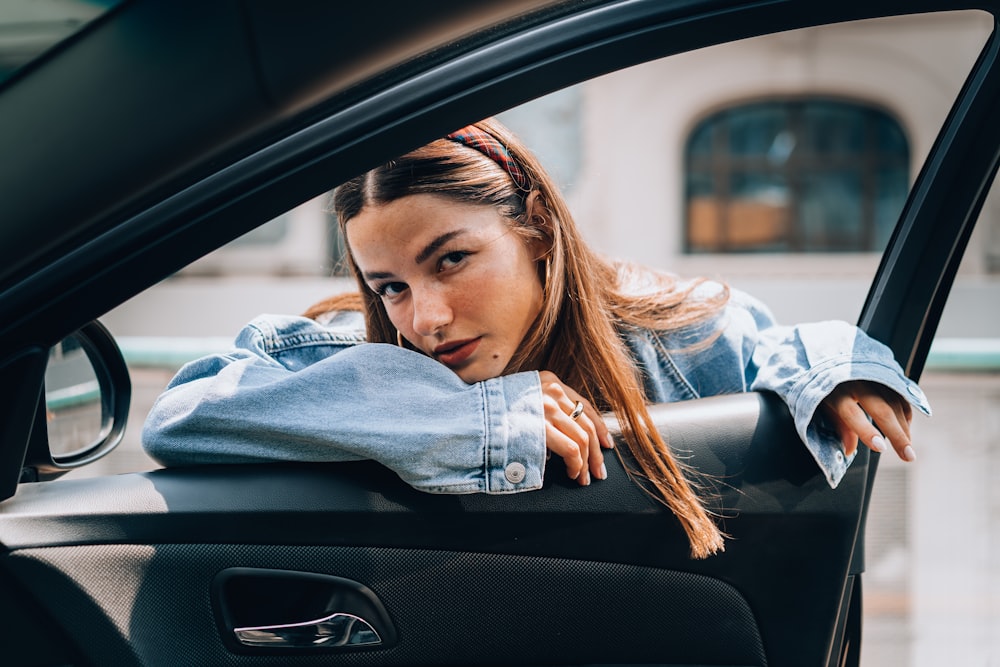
(345, 564)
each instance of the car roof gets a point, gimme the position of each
(159, 92)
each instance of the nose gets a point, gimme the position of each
(431, 310)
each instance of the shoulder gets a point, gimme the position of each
(726, 326)
(736, 300)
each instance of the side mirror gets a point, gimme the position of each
(84, 407)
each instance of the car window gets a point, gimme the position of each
(850, 109)
(776, 164)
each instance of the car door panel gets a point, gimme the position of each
(568, 575)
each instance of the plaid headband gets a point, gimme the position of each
(485, 143)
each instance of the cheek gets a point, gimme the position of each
(520, 293)
(399, 316)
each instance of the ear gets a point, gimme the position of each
(538, 217)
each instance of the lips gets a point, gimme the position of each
(454, 353)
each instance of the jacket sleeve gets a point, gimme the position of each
(349, 402)
(804, 363)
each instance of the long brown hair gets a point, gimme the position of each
(577, 334)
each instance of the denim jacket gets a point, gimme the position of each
(294, 389)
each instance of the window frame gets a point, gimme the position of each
(723, 166)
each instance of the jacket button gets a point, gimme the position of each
(514, 472)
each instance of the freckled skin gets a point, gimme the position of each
(478, 287)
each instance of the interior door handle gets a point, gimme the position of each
(346, 615)
(337, 629)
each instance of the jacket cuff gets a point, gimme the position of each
(515, 433)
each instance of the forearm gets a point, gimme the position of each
(369, 402)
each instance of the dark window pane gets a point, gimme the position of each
(700, 184)
(762, 186)
(700, 142)
(754, 129)
(829, 212)
(892, 186)
(890, 139)
(833, 128)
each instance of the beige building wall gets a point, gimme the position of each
(629, 197)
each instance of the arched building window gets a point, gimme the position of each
(795, 175)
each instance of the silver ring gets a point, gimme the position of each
(577, 411)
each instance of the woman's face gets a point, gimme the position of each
(455, 280)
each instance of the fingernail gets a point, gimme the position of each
(603, 474)
(608, 442)
(575, 476)
(878, 442)
(909, 455)
(586, 478)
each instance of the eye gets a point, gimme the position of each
(389, 290)
(452, 259)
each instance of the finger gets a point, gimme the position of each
(888, 419)
(893, 420)
(852, 423)
(858, 402)
(597, 466)
(584, 431)
(850, 441)
(598, 436)
(568, 439)
(603, 434)
(879, 403)
(587, 429)
(904, 415)
(596, 459)
(581, 430)
(848, 436)
(565, 448)
(585, 454)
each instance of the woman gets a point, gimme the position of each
(517, 336)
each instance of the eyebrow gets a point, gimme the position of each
(436, 244)
(421, 257)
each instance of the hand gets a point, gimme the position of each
(578, 442)
(849, 406)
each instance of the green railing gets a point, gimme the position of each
(947, 354)
(172, 352)
(964, 354)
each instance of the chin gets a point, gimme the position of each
(473, 375)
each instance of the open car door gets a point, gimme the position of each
(344, 564)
